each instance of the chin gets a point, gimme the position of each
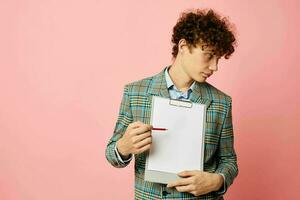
(200, 79)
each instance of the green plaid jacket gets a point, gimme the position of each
(219, 153)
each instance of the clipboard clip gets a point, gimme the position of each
(181, 103)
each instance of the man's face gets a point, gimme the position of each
(199, 64)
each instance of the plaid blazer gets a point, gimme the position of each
(219, 153)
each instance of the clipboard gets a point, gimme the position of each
(179, 148)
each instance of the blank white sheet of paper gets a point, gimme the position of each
(181, 146)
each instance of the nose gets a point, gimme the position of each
(214, 65)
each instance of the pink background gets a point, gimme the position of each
(63, 67)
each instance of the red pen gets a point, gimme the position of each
(159, 129)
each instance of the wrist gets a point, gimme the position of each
(120, 149)
(218, 181)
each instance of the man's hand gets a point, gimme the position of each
(136, 139)
(197, 182)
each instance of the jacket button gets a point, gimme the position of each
(165, 193)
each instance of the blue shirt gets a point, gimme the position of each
(173, 91)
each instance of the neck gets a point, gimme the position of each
(179, 77)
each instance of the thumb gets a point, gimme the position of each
(186, 173)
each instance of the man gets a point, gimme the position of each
(200, 39)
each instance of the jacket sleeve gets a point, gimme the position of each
(227, 159)
(124, 119)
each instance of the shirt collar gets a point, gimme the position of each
(170, 82)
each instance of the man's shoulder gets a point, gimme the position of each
(139, 86)
(216, 94)
(141, 83)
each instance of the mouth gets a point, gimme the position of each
(206, 75)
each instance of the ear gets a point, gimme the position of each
(182, 45)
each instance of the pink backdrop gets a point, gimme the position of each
(63, 67)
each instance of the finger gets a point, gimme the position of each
(143, 143)
(181, 182)
(144, 148)
(141, 137)
(142, 129)
(188, 173)
(134, 125)
(185, 188)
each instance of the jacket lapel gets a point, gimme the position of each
(200, 95)
(158, 86)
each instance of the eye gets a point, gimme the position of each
(209, 55)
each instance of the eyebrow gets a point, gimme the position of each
(209, 50)
(219, 57)
(213, 51)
